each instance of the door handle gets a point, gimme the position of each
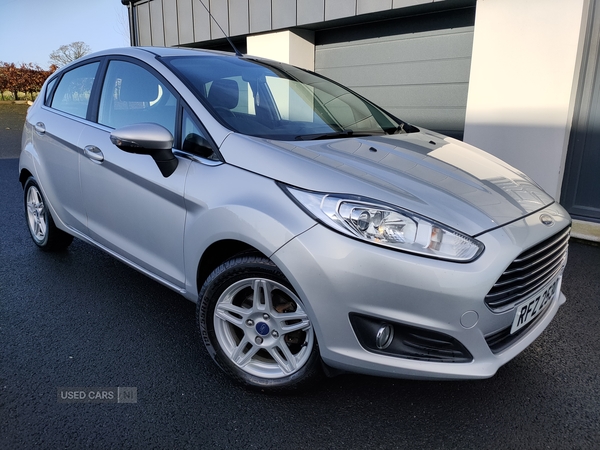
(94, 153)
(40, 128)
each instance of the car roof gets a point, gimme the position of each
(160, 52)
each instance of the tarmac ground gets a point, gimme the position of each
(80, 318)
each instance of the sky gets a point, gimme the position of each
(32, 29)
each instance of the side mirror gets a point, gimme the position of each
(148, 139)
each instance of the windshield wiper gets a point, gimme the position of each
(333, 135)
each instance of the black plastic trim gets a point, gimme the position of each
(409, 342)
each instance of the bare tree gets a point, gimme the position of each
(67, 53)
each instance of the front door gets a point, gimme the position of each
(132, 210)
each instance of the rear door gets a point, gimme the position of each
(57, 128)
(132, 209)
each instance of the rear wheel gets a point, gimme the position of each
(41, 226)
(254, 326)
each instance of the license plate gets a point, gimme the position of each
(534, 306)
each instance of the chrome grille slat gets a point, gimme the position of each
(525, 292)
(530, 271)
(537, 269)
(547, 244)
(520, 269)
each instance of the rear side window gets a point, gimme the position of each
(131, 94)
(72, 94)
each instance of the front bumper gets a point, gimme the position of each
(339, 278)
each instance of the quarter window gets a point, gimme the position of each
(131, 95)
(47, 98)
(195, 140)
(72, 94)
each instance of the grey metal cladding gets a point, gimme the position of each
(421, 76)
(171, 21)
(185, 21)
(368, 6)
(260, 16)
(310, 11)
(336, 9)
(239, 18)
(219, 10)
(157, 31)
(403, 48)
(202, 22)
(143, 24)
(284, 14)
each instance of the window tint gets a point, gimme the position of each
(131, 95)
(72, 94)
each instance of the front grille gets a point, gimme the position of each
(529, 272)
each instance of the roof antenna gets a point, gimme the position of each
(237, 52)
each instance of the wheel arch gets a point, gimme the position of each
(217, 253)
(23, 176)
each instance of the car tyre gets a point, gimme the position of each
(254, 326)
(41, 226)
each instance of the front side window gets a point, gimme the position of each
(72, 94)
(278, 101)
(131, 94)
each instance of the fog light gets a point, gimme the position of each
(385, 336)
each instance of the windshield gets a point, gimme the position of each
(278, 101)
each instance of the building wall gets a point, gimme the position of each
(415, 67)
(284, 46)
(180, 22)
(522, 88)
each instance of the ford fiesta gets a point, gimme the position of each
(314, 230)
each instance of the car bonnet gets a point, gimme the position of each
(430, 174)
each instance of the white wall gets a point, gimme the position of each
(524, 71)
(284, 46)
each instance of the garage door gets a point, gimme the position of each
(581, 186)
(415, 67)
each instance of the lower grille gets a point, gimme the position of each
(502, 339)
(531, 270)
(410, 342)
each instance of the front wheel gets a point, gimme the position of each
(41, 226)
(254, 326)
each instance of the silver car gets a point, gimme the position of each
(315, 231)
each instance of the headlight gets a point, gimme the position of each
(387, 225)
